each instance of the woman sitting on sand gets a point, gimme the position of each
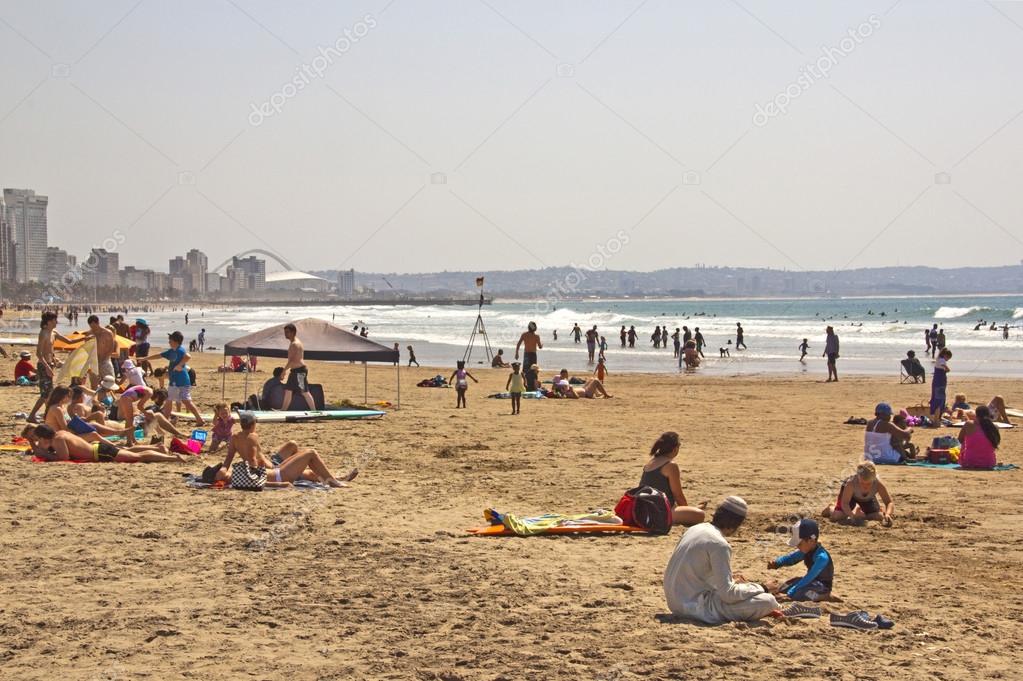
(980, 439)
(661, 472)
(857, 499)
(59, 417)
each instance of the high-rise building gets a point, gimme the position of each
(101, 268)
(346, 283)
(26, 219)
(58, 264)
(6, 245)
(246, 274)
(197, 267)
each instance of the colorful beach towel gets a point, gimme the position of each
(527, 395)
(957, 467)
(195, 482)
(505, 524)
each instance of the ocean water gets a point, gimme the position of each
(870, 343)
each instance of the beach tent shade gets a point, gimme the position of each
(322, 341)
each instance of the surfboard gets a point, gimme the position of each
(1018, 413)
(78, 363)
(297, 416)
(502, 531)
(331, 415)
(18, 340)
(998, 424)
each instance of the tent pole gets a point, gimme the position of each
(365, 383)
(245, 397)
(223, 379)
(397, 373)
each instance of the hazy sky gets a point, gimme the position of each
(552, 126)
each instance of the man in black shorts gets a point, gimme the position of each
(296, 370)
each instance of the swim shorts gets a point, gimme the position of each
(832, 356)
(45, 380)
(106, 367)
(103, 452)
(298, 380)
(179, 393)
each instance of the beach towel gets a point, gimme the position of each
(504, 524)
(959, 424)
(36, 459)
(195, 482)
(527, 395)
(957, 467)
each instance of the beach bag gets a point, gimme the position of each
(939, 456)
(651, 510)
(625, 506)
(944, 442)
(248, 477)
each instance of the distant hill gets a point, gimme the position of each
(571, 282)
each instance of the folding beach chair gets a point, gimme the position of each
(906, 377)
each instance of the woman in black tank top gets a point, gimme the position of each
(662, 473)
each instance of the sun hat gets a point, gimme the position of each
(25, 355)
(128, 364)
(108, 383)
(804, 529)
(736, 505)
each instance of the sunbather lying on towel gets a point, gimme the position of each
(961, 409)
(590, 389)
(66, 446)
(283, 468)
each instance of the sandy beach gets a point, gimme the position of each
(122, 572)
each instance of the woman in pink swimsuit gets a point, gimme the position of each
(980, 439)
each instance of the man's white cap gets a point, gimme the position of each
(736, 505)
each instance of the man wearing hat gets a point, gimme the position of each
(698, 582)
(25, 368)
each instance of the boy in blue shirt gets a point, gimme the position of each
(816, 584)
(179, 382)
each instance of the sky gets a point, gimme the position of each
(413, 136)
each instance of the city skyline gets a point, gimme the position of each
(507, 136)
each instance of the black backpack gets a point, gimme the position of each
(652, 511)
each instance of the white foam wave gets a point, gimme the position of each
(955, 312)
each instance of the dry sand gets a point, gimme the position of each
(121, 572)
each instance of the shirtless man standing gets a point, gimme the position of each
(532, 342)
(283, 468)
(47, 361)
(106, 347)
(66, 446)
(296, 378)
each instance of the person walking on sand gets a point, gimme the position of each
(201, 340)
(178, 376)
(297, 373)
(739, 344)
(698, 581)
(412, 357)
(515, 388)
(458, 377)
(531, 340)
(831, 352)
(46, 360)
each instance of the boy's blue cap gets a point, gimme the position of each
(804, 529)
(883, 408)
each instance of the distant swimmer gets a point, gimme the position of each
(555, 334)
(979, 324)
(1005, 332)
(577, 333)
